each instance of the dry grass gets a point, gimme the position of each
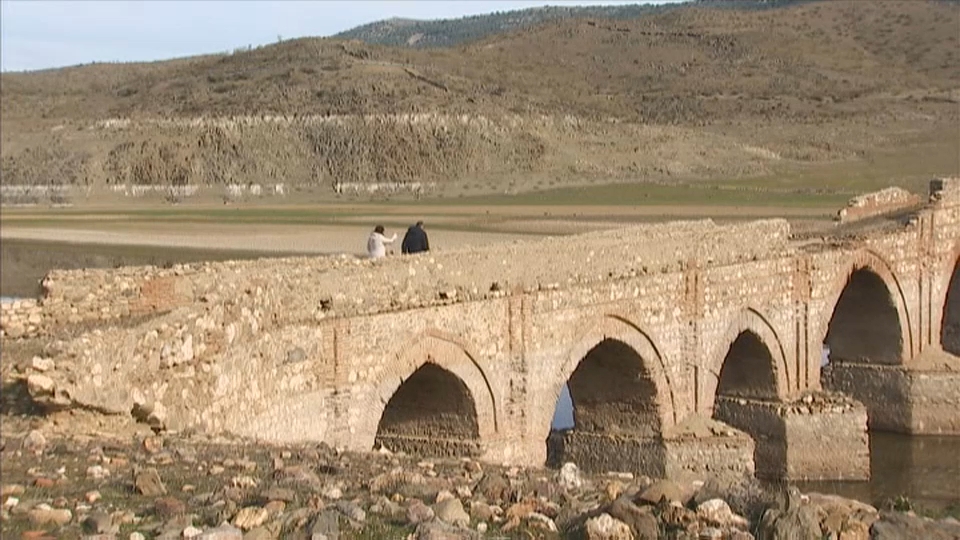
(690, 95)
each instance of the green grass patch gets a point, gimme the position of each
(646, 194)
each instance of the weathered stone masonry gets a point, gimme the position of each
(658, 328)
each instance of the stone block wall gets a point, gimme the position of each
(683, 457)
(793, 438)
(601, 452)
(945, 191)
(901, 399)
(828, 443)
(764, 422)
(20, 318)
(877, 203)
(73, 297)
(934, 402)
(943, 254)
(884, 390)
(721, 455)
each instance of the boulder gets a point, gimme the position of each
(605, 527)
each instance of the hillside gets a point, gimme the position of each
(420, 34)
(687, 93)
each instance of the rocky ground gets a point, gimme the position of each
(81, 474)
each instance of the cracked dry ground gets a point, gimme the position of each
(79, 474)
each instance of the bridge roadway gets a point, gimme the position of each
(688, 347)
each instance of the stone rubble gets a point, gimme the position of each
(284, 493)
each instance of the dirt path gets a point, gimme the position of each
(270, 238)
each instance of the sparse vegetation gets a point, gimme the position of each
(677, 95)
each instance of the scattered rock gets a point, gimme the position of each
(11, 490)
(482, 511)
(569, 477)
(275, 508)
(795, 521)
(250, 517)
(899, 526)
(663, 489)
(223, 532)
(147, 482)
(711, 533)
(605, 527)
(41, 364)
(44, 515)
(494, 488)
(39, 385)
(437, 530)
(352, 510)
(153, 445)
(717, 512)
(451, 511)
(153, 414)
(325, 526)
(97, 472)
(539, 521)
(298, 476)
(613, 489)
(34, 442)
(168, 507)
(279, 494)
(640, 519)
(417, 512)
(99, 522)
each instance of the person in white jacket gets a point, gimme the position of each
(376, 244)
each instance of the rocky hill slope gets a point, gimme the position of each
(421, 34)
(691, 92)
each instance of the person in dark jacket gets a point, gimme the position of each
(415, 240)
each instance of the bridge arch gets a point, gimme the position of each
(616, 346)
(950, 314)
(750, 360)
(868, 316)
(435, 398)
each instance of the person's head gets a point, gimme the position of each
(420, 224)
(379, 229)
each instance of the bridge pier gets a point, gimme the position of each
(902, 399)
(694, 450)
(792, 439)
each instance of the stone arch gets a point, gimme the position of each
(431, 359)
(751, 343)
(614, 331)
(950, 314)
(868, 280)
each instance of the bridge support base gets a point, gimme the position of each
(429, 446)
(901, 399)
(810, 439)
(682, 455)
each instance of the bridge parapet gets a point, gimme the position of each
(945, 191)
(317, 288)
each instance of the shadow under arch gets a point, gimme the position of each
(622, 401)
(950, 314)
(872, 263)
(751, 377)
(427, 358)
(751, 321)
(618, 328)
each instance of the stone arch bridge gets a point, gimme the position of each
(687, 347)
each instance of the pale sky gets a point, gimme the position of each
(40, 34)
